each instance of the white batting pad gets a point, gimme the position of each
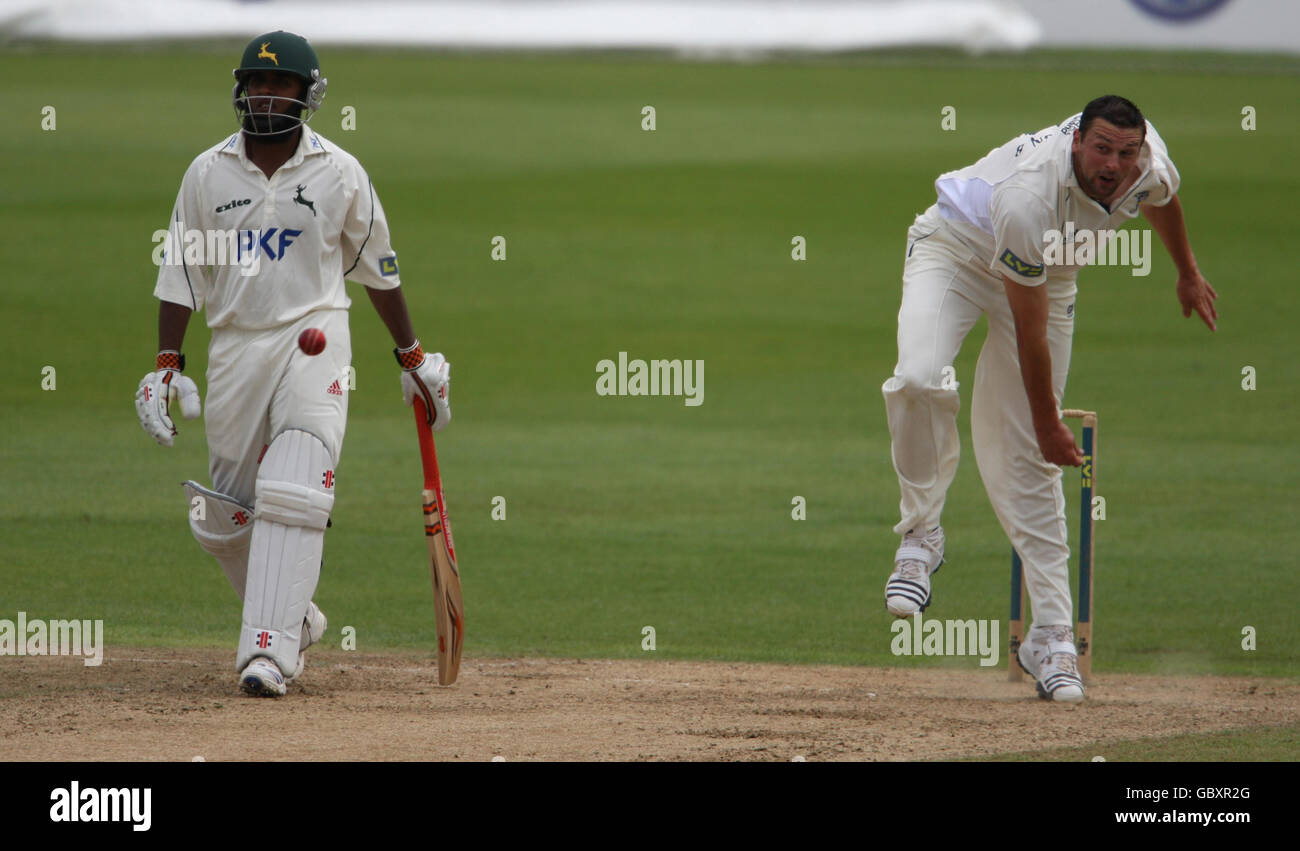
(223, 527)
(295, 492)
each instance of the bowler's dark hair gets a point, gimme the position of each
(1119, 111)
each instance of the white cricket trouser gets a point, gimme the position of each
(946, 288)
(260, 384)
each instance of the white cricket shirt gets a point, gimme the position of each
(1003, 206)
(300, 233)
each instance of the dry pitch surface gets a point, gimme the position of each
(163, 705)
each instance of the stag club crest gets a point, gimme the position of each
(266, 54)
(298, 199)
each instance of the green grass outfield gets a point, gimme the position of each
(632, 512)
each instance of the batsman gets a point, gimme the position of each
(300, 217)
(982, 249)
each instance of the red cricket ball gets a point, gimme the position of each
(312, 341)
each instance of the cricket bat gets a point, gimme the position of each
(448, 609)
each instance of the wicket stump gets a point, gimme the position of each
(1087, 539)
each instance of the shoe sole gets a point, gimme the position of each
(928, 600)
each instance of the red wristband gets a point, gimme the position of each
(411, 358)
(168, 359)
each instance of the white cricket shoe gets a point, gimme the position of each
(1049, 656)
(313, 627)
(918, 558)
(262, 678)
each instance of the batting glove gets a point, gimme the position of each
(157, 390)
(429, 376)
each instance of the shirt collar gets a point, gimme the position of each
(309, 144)
(1071, 182)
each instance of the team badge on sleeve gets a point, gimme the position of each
(388, 265)
(1020, 267)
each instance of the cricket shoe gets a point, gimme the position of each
(1049, 656)
(918, 558)
(313, 627)
(262, 678)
